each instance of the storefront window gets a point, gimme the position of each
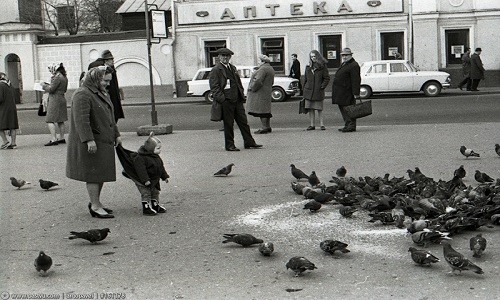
(274, 49)
(330, 46)
(392, 44)
(211, 55)
(456, 41)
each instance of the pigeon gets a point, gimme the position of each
(225, 171)
(457, 261)
(398, 215)
(384, 217)
(341, 171)
(299, 264)
(422, 238)
(347, 211)
(497, 149)
(18, 183)
(92, 235)
(266, 248)
(418, 225)
(43, 262)
(313, 206)
(297, 187)
(297, 173)
(313, 179)
(46, 185)
(460, 172)
(477, 245)
(422, 257)
(482, 177)
(468, 152)
(323, 197)
(242, 239)
(330, 246)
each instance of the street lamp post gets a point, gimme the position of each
(154, 114)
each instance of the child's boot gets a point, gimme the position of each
(147, 210)
(157, 207)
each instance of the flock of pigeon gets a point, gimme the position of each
(432, 211)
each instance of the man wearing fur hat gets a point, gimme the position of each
(114, 91)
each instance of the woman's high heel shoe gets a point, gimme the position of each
(108, 210)
(95, 214)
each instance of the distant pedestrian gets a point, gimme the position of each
(345, 87)
(115, 92)
(92, 136)
(476, 69)
(259, 96)
(295, 71)
(8, 113)
(466, 65)
(316, 79)
(227, 90)
(57, 111)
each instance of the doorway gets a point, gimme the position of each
(13, 71)
(330, 46)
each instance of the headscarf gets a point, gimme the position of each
(93, 78)
(4, 79)
(53, 68)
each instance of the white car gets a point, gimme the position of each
(397, 76)
(283, 88)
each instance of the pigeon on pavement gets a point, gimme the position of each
(468, 152)
(313, 179)
(18, 183)
(422, 257)
(497, 149)
(43, 262)
(297, 173)
(422, 238)
(398, 215)
(482, 177)
(299, 264)
(313, 206)
(460, 172)
(92, 235)
(266, 248)
(242, 239)
(347, 211)
(384, 217)
(225, 171)
(477, 245)
(457, 261)
(341, 171)
(330, 246)
(46, 184)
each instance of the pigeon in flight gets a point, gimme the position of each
(46, 184)
(242, 239)
(92, 235)
(341, 171)
(299, 264)
(477, 245)
(422, 257)
(330, 246)
(457, 261)
(460, 172)
(468, 152)
(482, 177)
(43, 263)
(266, 248)
(298, 173)
(225, 171)
(18, 183)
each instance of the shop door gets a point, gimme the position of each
(392, 43)
(330, 49)
(456, 41)
(211, 47)
(274, 49)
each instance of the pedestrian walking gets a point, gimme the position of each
(466, 65)
(92, 136)
(115, 92)
(8, 113)
(345, 87)
(476, 69)
(316, 79)
(57, 111)
(259, 96)
(295, 71)
(227, 90)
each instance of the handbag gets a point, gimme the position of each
(41, 111)
(359, 110)
(216, 112)
(302, 107)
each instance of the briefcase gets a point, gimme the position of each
(359, 110)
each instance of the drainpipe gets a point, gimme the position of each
(410, 31)
(173, 15)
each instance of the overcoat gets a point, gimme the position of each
(57, 105)
(8, 110)
(259, 95)
(218, 81)
(476, 67)
(315, 82)
(346, 83)
(91, 119)
(466, 64)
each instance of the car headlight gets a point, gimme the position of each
(448, 80)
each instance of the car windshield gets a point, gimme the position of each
(412, 67)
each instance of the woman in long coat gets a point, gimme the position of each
(316, 79)
(57, 112)
(8, 113)
(259, 94)
(93, 134)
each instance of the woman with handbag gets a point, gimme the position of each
(8, 113)
(316, 79)
(57, 113)
(260, 94)
(345, 88)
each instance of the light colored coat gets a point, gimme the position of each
(260, 88)
(91, 118)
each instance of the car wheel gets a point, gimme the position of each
(278, 94)
(432, 89)
(208, 97)
(365, 92)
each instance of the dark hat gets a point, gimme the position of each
(106, 54)
(478, 49)
(224, 51)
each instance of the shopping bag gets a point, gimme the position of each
(216, 112)
(41, 111)
(359, 110)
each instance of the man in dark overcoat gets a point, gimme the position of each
(295, 71)
(226, 89)
(466, 70)
(345, 87)
(476, 69)
(114, 91)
